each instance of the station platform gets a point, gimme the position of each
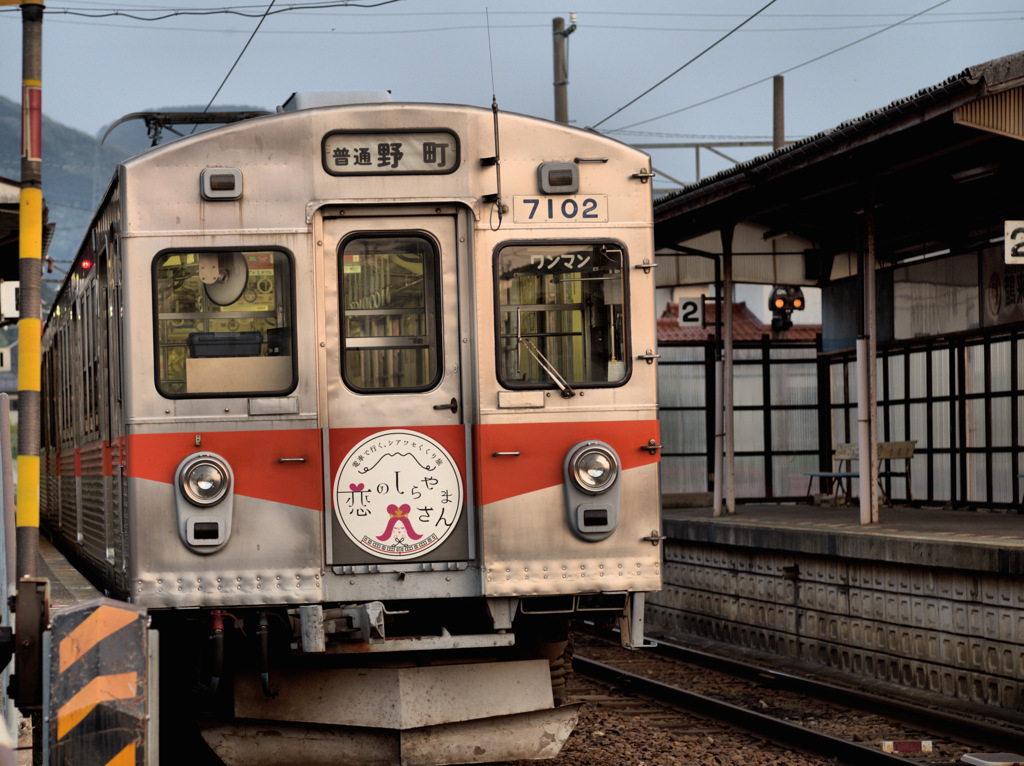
(983, 541)
(68, 587)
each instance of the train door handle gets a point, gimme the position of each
(453, 405)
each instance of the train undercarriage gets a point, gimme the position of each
(362, 684)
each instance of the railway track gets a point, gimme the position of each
(834, 724)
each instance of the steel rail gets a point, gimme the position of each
(967, 730)
(775, 730)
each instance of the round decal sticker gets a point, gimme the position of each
(398, 494)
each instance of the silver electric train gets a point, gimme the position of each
(359, 402)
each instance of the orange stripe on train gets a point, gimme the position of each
(253, 456)
(542, 448)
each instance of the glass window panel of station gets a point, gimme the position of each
(389, 313)
(561, 313)
(918, 362)
(897, 424)
(897, 370)
(750, 480)
(684, 474)
(1002, 478)
(999, 374)
(942, 358)
(942, 427)
(224, 322)
(748, 386)
(794, 385)
(788, 474)
(681, 385)
(974, 368)
(1002, 422)
(795, 431)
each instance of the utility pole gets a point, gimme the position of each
(30, 259)
(778, 113)
(560, 37)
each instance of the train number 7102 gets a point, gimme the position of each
(569, 209)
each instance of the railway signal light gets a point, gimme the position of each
(783, 302)
(786, 299)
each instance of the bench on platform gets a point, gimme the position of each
(842, 467)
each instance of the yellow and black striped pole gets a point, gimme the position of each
(30, 275)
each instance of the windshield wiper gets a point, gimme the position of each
(555, 375)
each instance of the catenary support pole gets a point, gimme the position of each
(778, 112)
(560, 36)
(727, 376)
(30, 256)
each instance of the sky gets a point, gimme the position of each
(663, 71)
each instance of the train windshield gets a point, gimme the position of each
(560, 316)
(224, 322)
(388, 313)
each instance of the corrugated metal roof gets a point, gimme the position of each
(929, 102)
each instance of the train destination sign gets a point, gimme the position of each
(356, 153)
(398, 494)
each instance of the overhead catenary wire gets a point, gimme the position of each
(783, 72)
(254, 11)
(680, 69)
(239, 58)
(243, 11)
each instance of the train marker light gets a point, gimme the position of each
(559, 177)
(221, 183)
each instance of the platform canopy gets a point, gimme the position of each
(10, 200)
(9, 195)
(941, 168)
(928, 175)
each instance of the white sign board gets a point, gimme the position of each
(691, 312)
(9, 299)
(1013, 244)
(5, 359)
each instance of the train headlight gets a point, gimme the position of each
(593, 468)
(204, 480)
(592, 475)
(204, 500)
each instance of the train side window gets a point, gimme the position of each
(561, 314)
(224, 322)
(389, 316)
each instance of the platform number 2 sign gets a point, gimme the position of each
(691, 312)
(1013, 248)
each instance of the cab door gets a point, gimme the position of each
(397, 438)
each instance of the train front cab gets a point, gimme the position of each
(542, 432)
(441, 447)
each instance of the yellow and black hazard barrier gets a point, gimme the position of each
(97, 705)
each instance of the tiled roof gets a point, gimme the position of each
(745, 326)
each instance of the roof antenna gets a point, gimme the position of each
(496, 159)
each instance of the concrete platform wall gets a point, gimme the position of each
(953, 632)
